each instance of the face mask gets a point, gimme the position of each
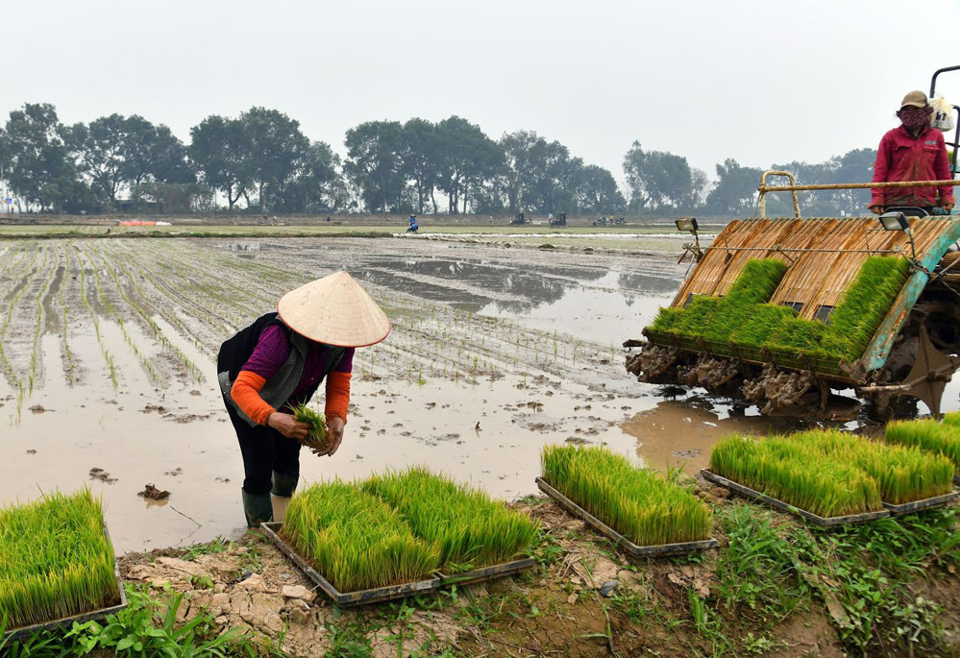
(913, 120)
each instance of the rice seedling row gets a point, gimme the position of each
(84, 297)
(192, 370)
(56, 560)
(638, 508)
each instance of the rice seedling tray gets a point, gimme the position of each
(68, 622)
(380, 594)
(825, 522)
(622, 542)
(923, 504)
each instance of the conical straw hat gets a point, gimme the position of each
(334, 310)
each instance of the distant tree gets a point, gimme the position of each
(420, 159)
(374, 164)
(38, 167)
(522, 152)
(598, 192)
(117, 152)
(218, 148)
(276, 147)
(657, 179)
(855, 166)
(313, 185)
(736, 190)
(468, 158)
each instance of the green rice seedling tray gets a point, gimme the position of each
(920, 505)
(68, 622)
(380, 594)
(622, 542)
(825, 522)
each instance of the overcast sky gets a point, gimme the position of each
(760, 82)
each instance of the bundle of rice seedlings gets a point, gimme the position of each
(470, 529)
(903, 474)
(55, 559)
(929, 435)
(637, 503)
(354, 539)
(796, 473)
(318, 441)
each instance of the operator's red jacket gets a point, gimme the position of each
(900, 157)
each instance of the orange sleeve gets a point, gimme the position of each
(338, 395)
(246, 394)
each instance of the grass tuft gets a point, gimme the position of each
(637, 503)
(55, 559)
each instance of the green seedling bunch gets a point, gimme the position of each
(355, 539)
(903, 474)
(930, 436)
(55, 559)
(469, 528)
(318, 439)
(638, 503)
(796, 473)
(742, 317)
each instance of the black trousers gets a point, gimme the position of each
(264, 451)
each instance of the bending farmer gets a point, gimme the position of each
(278, 362)
(912, 152)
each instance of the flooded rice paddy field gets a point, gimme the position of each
(108, 374)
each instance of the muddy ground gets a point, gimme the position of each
(758, 594)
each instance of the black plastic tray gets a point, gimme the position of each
(367, 596)
(622, 542)
(95, 615)
(825, 522)
(919, 505)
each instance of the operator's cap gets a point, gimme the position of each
(334, 310)
(914, 99)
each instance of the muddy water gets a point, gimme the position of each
(160, 425)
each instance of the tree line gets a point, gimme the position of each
(261, 161)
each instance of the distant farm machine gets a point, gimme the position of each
(782, 312)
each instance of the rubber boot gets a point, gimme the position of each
(257, 509)
(283, 488)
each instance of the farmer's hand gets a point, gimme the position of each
(335, 431)
(947, 206)
(287, 425)
(876, 210)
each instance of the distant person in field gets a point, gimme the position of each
(912, 152)
(279, 362)
(413, 225)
